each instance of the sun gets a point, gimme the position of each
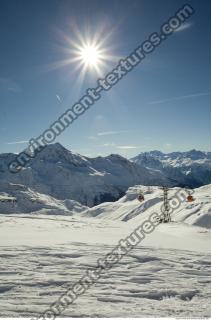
(85, 52)
(90, 55)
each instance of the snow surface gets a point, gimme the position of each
(168, 274)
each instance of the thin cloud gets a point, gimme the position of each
(184, 26)
(189, 96)
(9, 85)
(18, 142)
(107, 133)
(109, 144)
(128, 147)
(58, 98)
(92, 138)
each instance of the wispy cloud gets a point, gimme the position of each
(189, 96)
(122, 147)
(9, 85)
(106, 133)
(109, 144)
(184, 26)
(18, 142)
(128, 147)
(58, 98)
(92, 138)
(168, 145)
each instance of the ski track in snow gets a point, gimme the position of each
(147, 282)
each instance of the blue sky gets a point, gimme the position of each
(163, 104)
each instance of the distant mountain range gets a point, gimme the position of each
(192, 168)
(61, 174)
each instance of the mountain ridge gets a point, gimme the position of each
(191, 168)
(60, 173)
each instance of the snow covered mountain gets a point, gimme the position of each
(192, 168)
(62, 174)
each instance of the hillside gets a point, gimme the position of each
(128, 208)
(17, 198)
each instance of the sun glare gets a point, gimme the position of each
(86, 53)
(90, 55)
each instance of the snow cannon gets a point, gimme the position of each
(190, 198)
(140, 197)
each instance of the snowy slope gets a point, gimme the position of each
(128, 208)
(62, 174)
(17, 198)
(192, 168)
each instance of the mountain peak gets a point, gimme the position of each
(196, 154)
(56, 146)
